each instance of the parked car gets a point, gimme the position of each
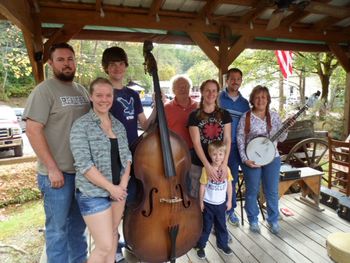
(196, 95)
(10, 131)
(147, 101)
(19, 114)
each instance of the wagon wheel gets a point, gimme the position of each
(312, 152)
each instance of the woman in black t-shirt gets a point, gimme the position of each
(207, 124)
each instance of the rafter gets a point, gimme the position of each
(155, 7)
(49, 15)
(225, 35)
(204, 43)
(342, 57)
(258, 8)
(294, 18)
(209, 8)
(19, 13)
(62, 35)
(185, 40)
(325, 23)
(238, 47)
(98, 5)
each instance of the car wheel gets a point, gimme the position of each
(18, 151)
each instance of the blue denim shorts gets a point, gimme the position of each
(91, 205)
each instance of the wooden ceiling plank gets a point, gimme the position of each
(155, 7)
(98, 5)
(341, 55)
(294, 18)
(47, 15)
(204, 43)
(18, 12)
(258, 8)
(209, 8)
(64, 34)
(325, 23)
(238, 47)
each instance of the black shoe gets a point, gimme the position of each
(229, 239)
(227, 250)
(201, 253)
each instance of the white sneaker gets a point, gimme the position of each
(119, 257)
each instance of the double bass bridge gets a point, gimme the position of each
(170, 200)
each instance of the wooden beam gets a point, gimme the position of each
(18, 12)
(65, 34)
(325, 23)
(26, 18)
(341, 56)
(294, 18)
(209, 8)
(347, 106)
(155, 7)
(225, 34)
(34, 58)
(90, 17)
(208, 48)
(98, 5)
(273, 45)
(124, 36)
(258, 8)
(238, 47)
(184, 40)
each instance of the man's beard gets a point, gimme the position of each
(64, 77)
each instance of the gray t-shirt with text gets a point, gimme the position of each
(57, 105)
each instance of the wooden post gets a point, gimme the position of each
(347, 106)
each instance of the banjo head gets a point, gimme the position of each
(261, 150)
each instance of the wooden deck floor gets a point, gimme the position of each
(302, 238)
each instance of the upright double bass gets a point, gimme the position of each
(165, 222)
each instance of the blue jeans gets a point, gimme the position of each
(269, 175)
(65, 227)
(214, 214)
(234, 161)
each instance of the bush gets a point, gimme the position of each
(19, 91)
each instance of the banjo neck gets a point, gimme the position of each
(288, 124)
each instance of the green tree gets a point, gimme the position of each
(202, 71)
(16, 76)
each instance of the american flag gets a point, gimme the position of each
(285, 59)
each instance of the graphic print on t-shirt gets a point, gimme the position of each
(73, 100)
(210, 130)
(128, 107)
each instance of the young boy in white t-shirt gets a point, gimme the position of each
(215, 200)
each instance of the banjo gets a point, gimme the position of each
(261, 149)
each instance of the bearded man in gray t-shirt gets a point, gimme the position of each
(51, 109)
